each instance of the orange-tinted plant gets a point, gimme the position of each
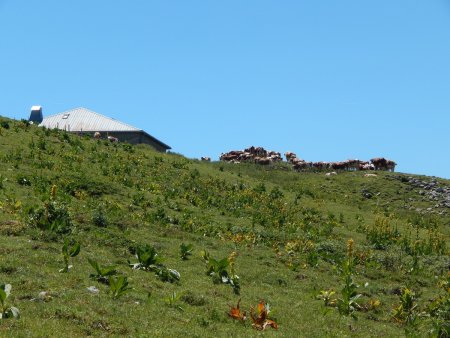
(260, 318)
(235, 312)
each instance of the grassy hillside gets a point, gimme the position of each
(291, 238)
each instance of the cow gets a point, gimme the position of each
(337, 165)
(353, 164)
(97, 135)
(390, 165)
(320, 165)
(113, 139)
(290, 156)
(256, 151)
(261, 152)
(380, 163)
(301, 165)
(367, 166)
(263, 160)
(274, 156)
(207, 159)
(296, 160)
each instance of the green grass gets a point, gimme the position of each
(289, 232)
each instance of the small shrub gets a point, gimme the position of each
(347, 305)
(312, 258)
(173, 301)
(3, 180)
(149, 260)
(325, 296)
(406, 311)
(222, 271)
(23, 180)
(158, 216)
(118, 286)
(42, 144)
(99, 218)
(53, 216)
(382, 233)
(6, 310)
(67, 252)
(167, 275)
(147, 257)
(102, 273)
(185, 251)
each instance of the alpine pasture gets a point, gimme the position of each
(109, 239)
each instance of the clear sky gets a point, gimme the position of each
(329, 80)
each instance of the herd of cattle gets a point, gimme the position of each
(261, 156)
(257, 155)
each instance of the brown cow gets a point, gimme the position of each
(263, 160)
(380, 163)
(339, 165)
(301, 165)
(390, 165)
(290, 156)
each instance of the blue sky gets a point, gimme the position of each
(329, 80)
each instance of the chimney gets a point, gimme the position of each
(36, 115)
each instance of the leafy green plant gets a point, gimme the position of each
(441, 328)
(406, 311)
(147, 257)
(118, 286)
(69, 250)
(3, 180)
(167, 275)
(382, 233)
(420, 246)
(53, 216)
(312, 258)
(4, 124)
(439, 313)
(149, 260)
(102, 273)
(222, 271)
(6, 310)
(173, 299)
(347, 304)
(185, 251)
(326, 296)
(23, 180)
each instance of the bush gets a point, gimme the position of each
(5, 124)
(99, 218)
(23, 180)
(53, 216)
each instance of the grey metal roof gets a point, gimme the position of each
(82, 119)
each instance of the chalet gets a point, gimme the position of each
(85, 121)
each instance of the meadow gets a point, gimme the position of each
(111, 239)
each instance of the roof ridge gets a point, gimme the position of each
(93, 112)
